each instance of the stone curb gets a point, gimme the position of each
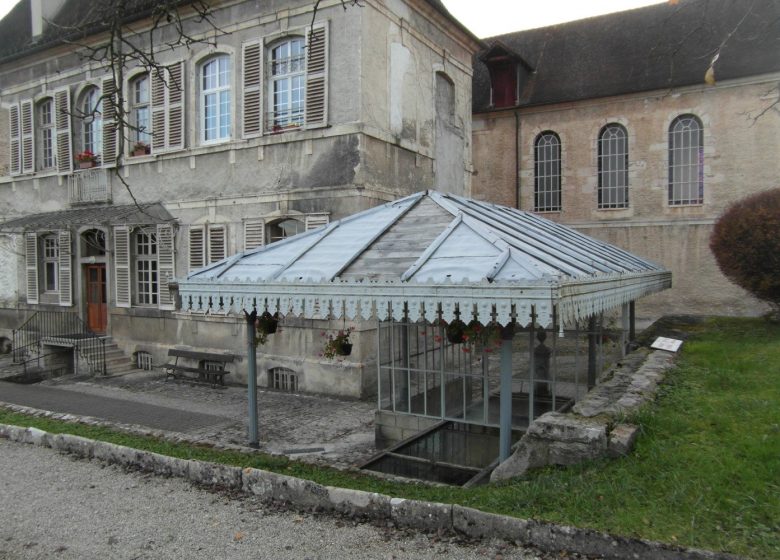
(308, 495)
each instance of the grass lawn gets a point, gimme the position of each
(705, 472)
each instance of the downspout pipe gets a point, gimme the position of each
(517, 159)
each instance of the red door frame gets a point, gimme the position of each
(97, 309)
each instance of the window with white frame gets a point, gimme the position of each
(140, 131)
(46, 134)
(613, 167)
(547, 172)
(686, 161)
(215, 99)
(283, 229)
(287, 84)
(146, 273)
(283, 379)
(51, 263)
(91, 121)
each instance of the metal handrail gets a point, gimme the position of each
(61, 328)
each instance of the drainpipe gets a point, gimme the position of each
(517, 159)
(505, 394)
(251, 349)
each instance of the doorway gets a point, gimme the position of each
(97, 311)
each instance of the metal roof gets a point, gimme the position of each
(126, 214)
(432, 252)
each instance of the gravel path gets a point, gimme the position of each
(55, 507)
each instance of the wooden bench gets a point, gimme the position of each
(204, 374)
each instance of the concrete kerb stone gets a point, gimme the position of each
(425, 516)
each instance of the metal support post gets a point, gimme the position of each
(592, 352)
(631, 321)
(251, 349)
(505, 399)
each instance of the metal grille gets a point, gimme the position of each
(213, 366)
(283, 379)
(686, 161)
(90, 185)
(613, 167)
(547, 173)
(143, 360)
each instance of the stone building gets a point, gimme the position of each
(608, 125)
(276, 120)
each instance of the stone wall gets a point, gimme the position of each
(594, 428)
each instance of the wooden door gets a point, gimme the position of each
(97, 311)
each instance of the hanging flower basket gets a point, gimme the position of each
(456, 331)
(265, 324)
(338, 344)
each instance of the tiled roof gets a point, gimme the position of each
(660, 46)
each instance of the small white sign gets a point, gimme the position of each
(670, 344)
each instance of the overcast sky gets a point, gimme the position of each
(494, 17)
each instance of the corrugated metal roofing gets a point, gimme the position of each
(437, 250)
(125, 214)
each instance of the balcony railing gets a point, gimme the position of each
(90, 185)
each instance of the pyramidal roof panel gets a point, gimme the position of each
(429, 244)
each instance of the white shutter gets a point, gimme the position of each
(28, 147)
(175, 113)
(314, 221)
(16, 139)
(62, 127)
(317, 75)
(122, 265)
(254, 234)
(65, 272)
(253, 88)
(110, 129)
(217, 243)
(167, 102)
(197, 256)
(165, 265)
(31, 265)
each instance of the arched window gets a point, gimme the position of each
(613, 167)
(91, 118)
(46, 134)
(140, 133)
(284, 229)
(686, 161)
(215, 99)
(547, 172)
(288, 83)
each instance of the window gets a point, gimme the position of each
(284, 229)
(613, 167)
(91, 121)
(288, 83)
(283, 379)
(146, 268)
(215, 99)
(51, 263)
(547, 172)
(208, 244)
(139, 110)
(46, 134)
(143, 360)
(686, 161)
(503, 83)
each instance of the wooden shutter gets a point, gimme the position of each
(317, 75)
(254, 234)
(122, 266)
(28, 146)
(31, 266)
(167, 104)
(175, 112)
(165, 265)
(253, 88)
(110, 129)
(314, 221)
(65, 272)
(62, 130)
(217, 243)
(197, 257)
(16, 139)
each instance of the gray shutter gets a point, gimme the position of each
(122, 266)
(62, 127)
(110, 129)
(217, 243)
(28, 146)
(197, 256)
(314, 221)
(157, 103)
(175, 106)
(65, 272)
(16, 139)
(317, 75)
(165, 265)
(253, 88)
(31, 266)
(254, 234)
